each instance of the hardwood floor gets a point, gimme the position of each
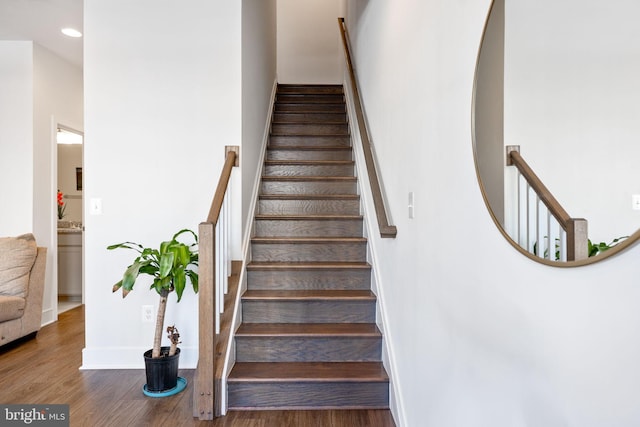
(45, 370)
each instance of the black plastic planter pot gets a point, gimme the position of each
(162, 372)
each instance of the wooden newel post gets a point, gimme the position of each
(577, 239)
(203, 390)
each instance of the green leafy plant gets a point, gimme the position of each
(546, 249)
(593, 249)
(170, 266)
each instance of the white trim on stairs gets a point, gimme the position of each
(370, 229)
(246, 247)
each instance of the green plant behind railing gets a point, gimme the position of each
(593, 250)
(546, 249)
(602, 246)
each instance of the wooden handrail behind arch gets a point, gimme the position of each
(576, 228)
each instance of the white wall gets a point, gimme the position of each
(40, 88)
(58, 98)
(481, 335)
(571, 103)
(258, 77)
(309, 41)
(162, 99)
(16, 137)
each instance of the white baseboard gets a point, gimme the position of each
(377, 281)
(48, 317)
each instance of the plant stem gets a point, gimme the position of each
(174, 337)
(157, 338)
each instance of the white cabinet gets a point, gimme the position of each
(70, 264)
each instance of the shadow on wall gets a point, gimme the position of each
(356, 9)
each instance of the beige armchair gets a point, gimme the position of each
(22, 268)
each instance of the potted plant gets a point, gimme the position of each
(171, 266)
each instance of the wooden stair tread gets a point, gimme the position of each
(298, 99)
(303, 89)
(331, 101)
(307, 123)
(308, 295)
(302, 102)
(307, 143)
(316, 136)
(300, 112)
(308, 196)
(336, 85)
(255, 265)
(310, 98)
(309, 162)
(317, 98)
(308, 240)
(305, 86)
(308, 178)
(307, 110)
(309, 147)
(308, 329)
(308, 371)
(292, 106)
(340, 115)
(310, 135)
(306, 93)
(318, 217)
(309, 93)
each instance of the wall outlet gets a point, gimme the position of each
(635, 202)
(147, 314)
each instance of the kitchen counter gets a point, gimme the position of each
(69, 230)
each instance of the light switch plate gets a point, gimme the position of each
(411, 206)
(95, 206)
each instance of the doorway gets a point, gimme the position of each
(70, 144)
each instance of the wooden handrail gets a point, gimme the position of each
(541, 190)
(576, 228)
(207, 390)
(216, 205)
(386, 229)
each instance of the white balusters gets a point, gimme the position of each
(540, 225)
(222, 258)
(537, 230)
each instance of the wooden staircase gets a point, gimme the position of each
(308, 338)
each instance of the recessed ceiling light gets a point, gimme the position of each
(71, 32)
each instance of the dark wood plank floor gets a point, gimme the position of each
(45, 370)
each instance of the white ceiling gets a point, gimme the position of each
(41, 22)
